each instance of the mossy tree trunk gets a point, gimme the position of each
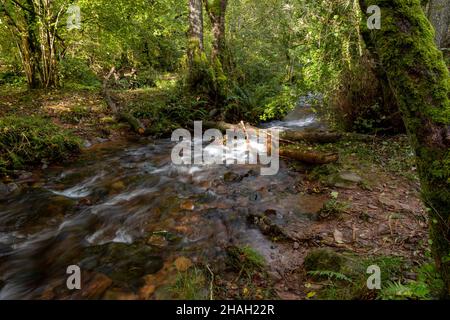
(420, 81)
(216, 10)
(195, 33)
(200, 75)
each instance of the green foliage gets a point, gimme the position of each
(427, 286)
(28, 140)
(330, 275)
(76, 73)
(190, 285)
(333, 208)
(12, 78)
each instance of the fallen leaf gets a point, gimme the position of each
(310, 295)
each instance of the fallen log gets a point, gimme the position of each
(127, 117)
(310, 157)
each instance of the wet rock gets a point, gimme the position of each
(267, 226)
(99, 140)
(12, 187)
(125, 264)
(119, 294)
(96, 287)
(147, 291)
(118, 186)
(323, 259)
(187, 205)
(22, 175)
(158, 241)
(182, 264)
(232, 177)
(87, 144)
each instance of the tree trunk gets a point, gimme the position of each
(420, 81)
(439, 15)
(195, 33)
(200, 79)
(216, 10)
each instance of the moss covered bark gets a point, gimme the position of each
(216, 10)
(420, 81)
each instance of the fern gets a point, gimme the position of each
(399, 291)
(330, 275)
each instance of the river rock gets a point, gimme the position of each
(232, 177)
(96, 287)
(25, 175)
(119, 294)
(158, 241)
(125, 263)
(12, 187)
(146, 291)
(87, 144)
(187, 205)
(118, 186)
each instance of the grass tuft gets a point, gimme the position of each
(29, 140)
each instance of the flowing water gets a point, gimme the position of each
(124, 210)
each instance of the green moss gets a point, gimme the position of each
(28, 140)
(245, 259)
(324, 260)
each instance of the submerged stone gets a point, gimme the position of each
(125, 264)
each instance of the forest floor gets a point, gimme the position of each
(367, 206)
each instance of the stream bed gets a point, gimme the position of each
(124, 211)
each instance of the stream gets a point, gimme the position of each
(123, 210)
